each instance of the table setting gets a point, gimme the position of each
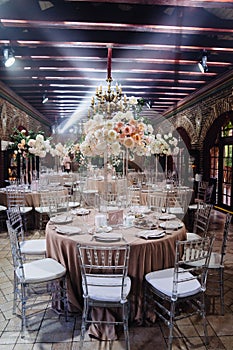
(151, 247)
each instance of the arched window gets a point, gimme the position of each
(221, 158)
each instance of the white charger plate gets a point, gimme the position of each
(108, 237)
(61, 219)
(81, 211)
(167, 217)
(68, 230)
(152, 234)
(138, 209)
(169, 225)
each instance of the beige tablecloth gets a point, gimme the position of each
(32, 198)
(145, 256)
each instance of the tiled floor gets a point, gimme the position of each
(49, 331)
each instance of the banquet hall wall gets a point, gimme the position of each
(196, 115)
(16, 113)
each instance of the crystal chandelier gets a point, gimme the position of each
(108, 100)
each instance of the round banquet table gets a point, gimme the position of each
(145, 256)
(32, 198)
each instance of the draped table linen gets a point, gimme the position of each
(145, 256)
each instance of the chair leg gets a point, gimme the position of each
(23, 310)
(83, 326)
(171, 324)
(204, 322)
(125, 325)
(15, 295)
(221, 276)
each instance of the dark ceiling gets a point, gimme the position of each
(61, 50)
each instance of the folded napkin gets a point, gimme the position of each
(61, 219)
(68, 230)
(108, 236)
(171, 225)
(151, 234)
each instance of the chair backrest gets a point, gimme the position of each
(48, 202)
(157, 201)
(62, 202)
(15, 249)
(191, 252)
(15, 195)
(202, 218)
(208, 193)
(205, 191)
(225, 237)
(104, 263)
(16, 222)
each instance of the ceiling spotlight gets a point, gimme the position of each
(8, 57)
(45, 99)
(202, 65)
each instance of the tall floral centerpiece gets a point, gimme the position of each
(164, 144)
(29, 148)
(115, 126)
(70, 151)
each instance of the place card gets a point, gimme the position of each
(116, 217)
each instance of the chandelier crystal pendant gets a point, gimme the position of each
(108, 100)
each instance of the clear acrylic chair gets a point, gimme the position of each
(216, 266)
(29, 247)
(178, 204)
(201, 221)
(204, 194)
(105, 284)
(3, 217)
(16, 197)
(168, 291)
(47, 207)
(35, 280)
(157, 201)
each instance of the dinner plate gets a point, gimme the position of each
(108, 237)
(81, 211)
(68, 230)
(61, 219)
(167, 217)
(147, 226)
(169, 225)
(151, 234)
(137, 209)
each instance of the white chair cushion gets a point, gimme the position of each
(42, 210)
(191, 236)
(33, 246)
(73, 204)
(42, 270)
(25, 210)
(107, 289)
(214, 263)
(162, 280)
(193, 206)
(175, 210)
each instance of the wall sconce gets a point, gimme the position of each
(202, 65)
(8, 57)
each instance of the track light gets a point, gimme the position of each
(202, 65)
(45, 99)
(8, 57)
